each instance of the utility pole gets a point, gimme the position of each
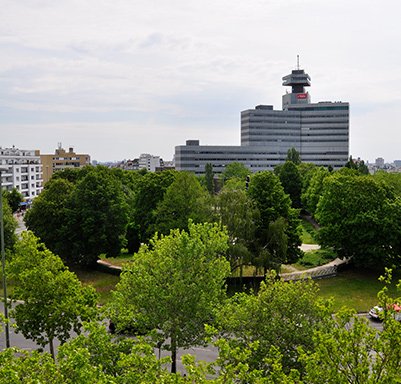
(3, 261)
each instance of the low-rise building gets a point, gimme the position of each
(62, 159)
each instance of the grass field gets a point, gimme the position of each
(308, 232)
(353, 289)
(103, 282)
(314, 258)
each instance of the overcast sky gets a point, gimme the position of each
(117, 78)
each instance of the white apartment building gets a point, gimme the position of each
(24, 171)
(148, 162)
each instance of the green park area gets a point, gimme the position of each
(193, 243)
(351, 288)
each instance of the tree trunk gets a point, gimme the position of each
(241, 272)
(52, 348)
(173, 354)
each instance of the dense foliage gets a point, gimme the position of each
(360, 218)
(278, 221)
(52, 300)
(283, 315)
(81, 218)
(281, 335)
(14, 198)
(9, 224)
(239, 215)
(173, 286)
(291, 181)
(87, 212)
(82, 214)
(184, 200)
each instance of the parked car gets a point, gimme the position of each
(376, 313)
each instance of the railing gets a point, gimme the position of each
(328, 270)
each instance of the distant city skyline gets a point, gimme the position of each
(117, 79)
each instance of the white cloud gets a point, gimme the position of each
(162, 65)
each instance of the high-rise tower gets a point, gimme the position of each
(318, 131)
(298, 80)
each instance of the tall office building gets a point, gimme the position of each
(318, 131)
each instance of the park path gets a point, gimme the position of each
(326, 270)
(309, 247)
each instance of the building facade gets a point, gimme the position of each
(149, 162)
(23, 171)
(318, 131)
(62, 159)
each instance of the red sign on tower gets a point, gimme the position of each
(302, 96)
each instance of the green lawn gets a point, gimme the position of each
(103, 282)
(314, 258)
(357, 290)
(351, 288)
(308, 232)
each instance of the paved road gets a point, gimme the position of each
(18, 340)
(207, 354)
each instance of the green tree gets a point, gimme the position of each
(14, 198)
(115, 360)
(184, 199)
(238, 214)
(9, 224)
(391, 179)
(291, 181)
(294, 156)
(306, 172)
(283, 315)
(312, 194)
(349, 350)
(150, 192)
(98, 216)
(235, 170)
(53, 299)
(49, 219)
(209, 176)
(18, 366)
(272, 202)
(357, 165)
(274, 253)
(73, 175)
(360, 218)
(174, 285)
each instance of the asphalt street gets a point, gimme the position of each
(207, 354)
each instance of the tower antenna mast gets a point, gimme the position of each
(298, 62)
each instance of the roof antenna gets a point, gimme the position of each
(298, 62)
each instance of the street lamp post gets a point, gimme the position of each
(3, 261)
